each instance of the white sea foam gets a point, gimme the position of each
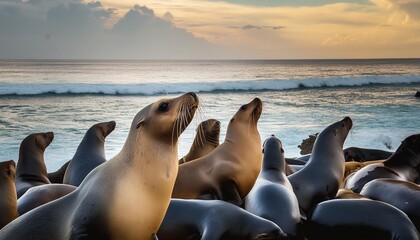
(174, 88)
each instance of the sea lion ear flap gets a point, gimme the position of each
(140, 123)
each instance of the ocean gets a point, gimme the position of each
(300, 97)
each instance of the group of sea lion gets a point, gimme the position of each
(240, 189)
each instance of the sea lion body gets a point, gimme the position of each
(8, 197)
(321, 177)
(356, 154)
(205, 141)
(40, 195)
(347, 194)
(404, 165)
(360, 219)
(58, 176)
(400, 194)
(31, 170)
(229, 172)
(214, 220)
(272, 196)
(352, 167)
(127, 196)
(90, 153)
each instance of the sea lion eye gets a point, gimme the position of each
(243, 107)
(163, 107)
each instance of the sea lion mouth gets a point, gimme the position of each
(187, 109)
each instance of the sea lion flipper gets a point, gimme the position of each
(230, 193)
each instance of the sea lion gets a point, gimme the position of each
(295, 161)
(125, 197)
(42, 194)
(320, 179)
(31, 170)
(229, 172)
(214, 220)
(272, 196)
(347, 194)
(365, 154)
(90, 153)
(351, 167)
(205, 141)
(360, 219)
(404, 165)
(8, 197)
(58, 176)
(400, 194)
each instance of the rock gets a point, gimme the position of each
(307, 144)
(417, 94)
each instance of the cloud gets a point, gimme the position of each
(246, 27)
(74, 29)
(409, 8)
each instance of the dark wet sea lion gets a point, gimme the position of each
(321, 177)
(404, 165)
(205, 141)
(352, 167)
(214, 220)
(90, 153)
(400, 194)
(58, 176)
(365, 154)
(229, 172)
(8, 197)
(125, 197)
(272, 196)
(360, 219)
(31, 170)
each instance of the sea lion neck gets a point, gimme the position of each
(31, 155)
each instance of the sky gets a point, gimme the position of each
(209, 29)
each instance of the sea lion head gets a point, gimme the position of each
(104, 128)
(8, 170)
(273, 157)
(336, 132)
(41, 140)
(166, 119)
(247, 115)
(413, 143)
(210, 129)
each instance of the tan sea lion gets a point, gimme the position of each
(125, 197)
(229, 172)
(205, 141)
(90, 153)
(31, 170)
(8, 197)
(42, 194)
(321, 177)
(347, 194)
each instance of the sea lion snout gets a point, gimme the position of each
(347, 122)
(193, 95)
(111, 127)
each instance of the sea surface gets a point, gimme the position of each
(300, 97)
